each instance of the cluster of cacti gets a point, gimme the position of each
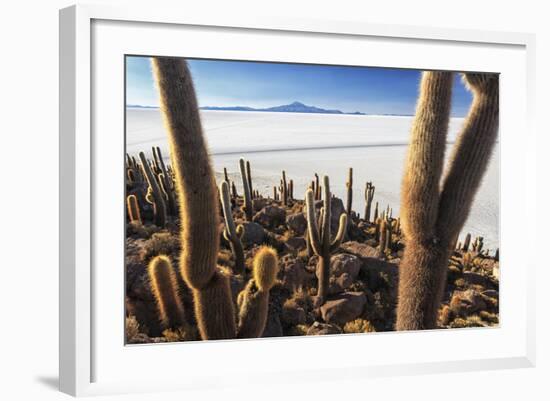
(477, 246)
(155, 195)
(231, 233)
(247, 189)
(286, 190)
(385, 227)
(150, 182)
(320, 238)
(432, 216)
(196, 190)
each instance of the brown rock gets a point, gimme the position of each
(297, 223)
(270, 216)
(344, 308)
(344, 269)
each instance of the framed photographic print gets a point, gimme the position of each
(250, 192)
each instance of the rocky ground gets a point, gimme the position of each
(363, 282)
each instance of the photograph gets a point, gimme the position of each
(271, 199)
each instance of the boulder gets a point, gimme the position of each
(293, 314)
(472, 278)
(293, 273)
(295, 243)
(270, 216)
(297, 222)
(319, 329)
(258, 204)
(344, 269)
(254, 234)
(344, 308)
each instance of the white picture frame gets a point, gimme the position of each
(93, 358)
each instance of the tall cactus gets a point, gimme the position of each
(254, 299)
(164, 287)
(231, 233)
(433, 216)
(247, 189)
(349, 192)
(284, 189)
(369, 196)
(196, 189)
(320, 237)
(157, 200)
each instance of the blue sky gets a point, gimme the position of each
(242, 83)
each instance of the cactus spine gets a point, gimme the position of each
(433, 217)
(231, 233)
(133, 209)
(254, 299)
(320, 237)
(247, 189)
(165, 290)
(157, 199)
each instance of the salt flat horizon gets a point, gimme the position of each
(328, 144)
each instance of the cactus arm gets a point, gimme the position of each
(425, 157)
(471, 154)
(312, 228)
(230, 232)
(341, 233)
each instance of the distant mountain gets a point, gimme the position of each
(295, 107)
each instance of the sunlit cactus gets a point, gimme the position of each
(132, 206)
(254, 299)
(164, 287)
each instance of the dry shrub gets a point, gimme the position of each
(132, 328)
(359, 326)
(161, 243)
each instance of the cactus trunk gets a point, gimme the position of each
(433, 217)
